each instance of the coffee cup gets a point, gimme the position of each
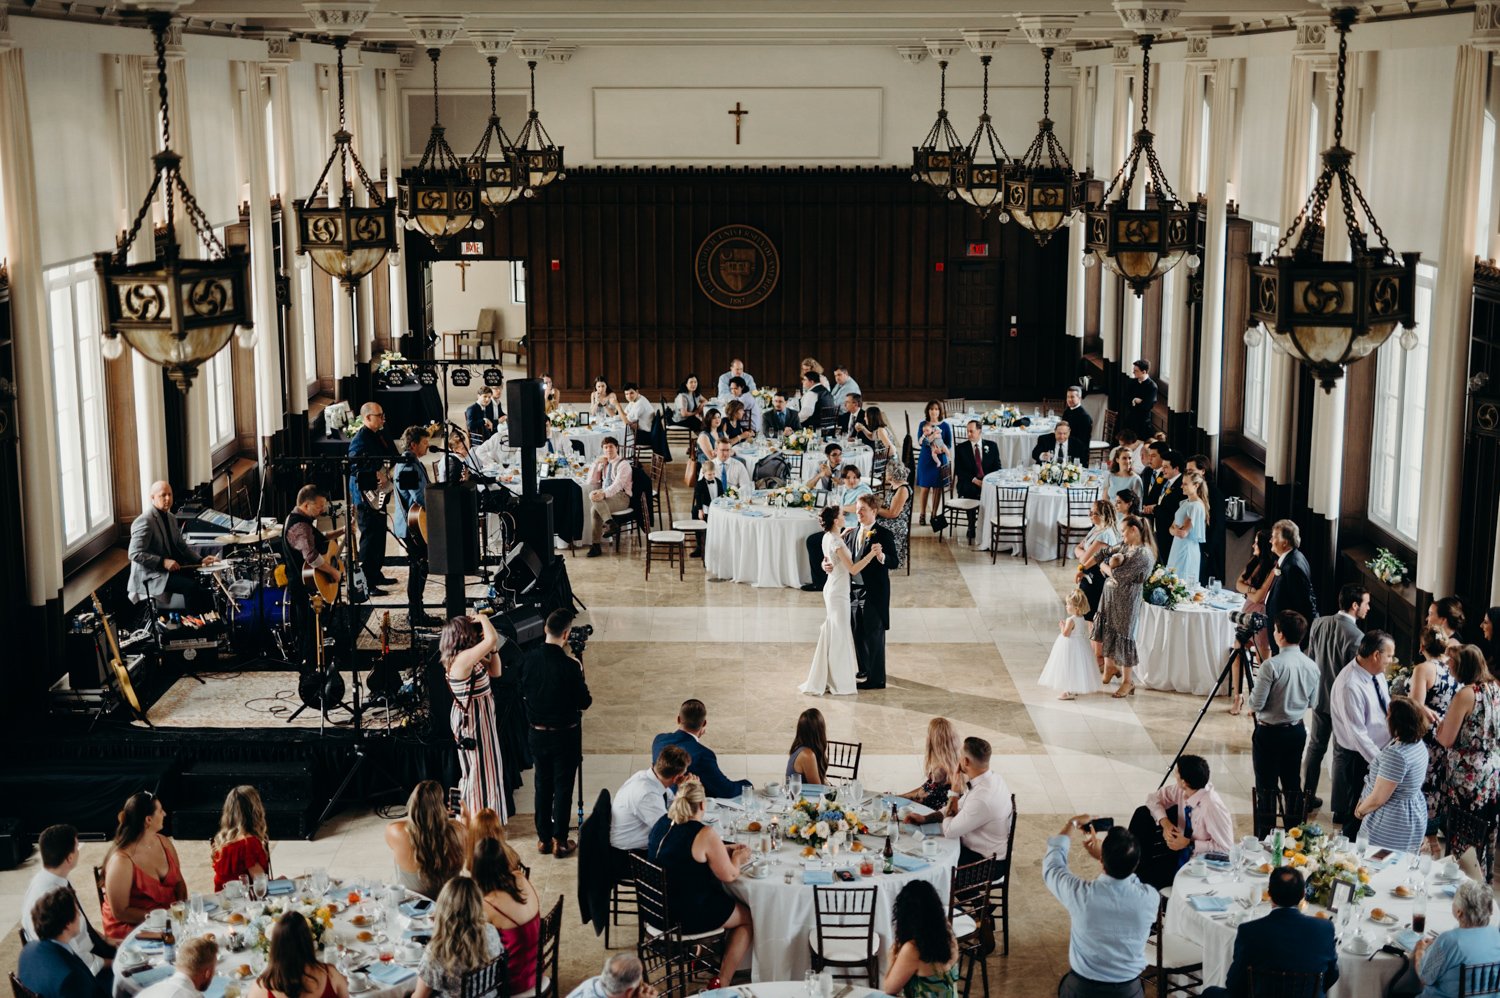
(411, 953)
(359, 980)
(1198, 867)
(1449, 867)
(157, 919)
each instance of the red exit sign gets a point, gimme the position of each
(979, 249)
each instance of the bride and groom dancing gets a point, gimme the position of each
(857, 597)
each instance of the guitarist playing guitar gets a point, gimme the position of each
(369, 490)
(305, 548)
(410, 522)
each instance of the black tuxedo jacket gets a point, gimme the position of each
(964, 471)
(1082, 423)
(1167, 502)
(1077, 451)
(1151, 487)
(848, 420)
(774, 422)
(876, 576)
(1138, 416)
(1293, 588)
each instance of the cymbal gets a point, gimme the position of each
(266, 534)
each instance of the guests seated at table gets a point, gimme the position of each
(602, 402)
(780, 419)
(1076, 416)
(1284, 941)
(740, 390)
(826, 475)
(1357, 702)
(486, 825)
(141, 870)
(851, 416)
(877, 432)
(808, 756)
(843, 385)
(1179, 821)
(551, 397)
(1293, 588)
(738, 426)
(1438, 963)
(1254, 582)
(1189, 529)
(706, 489)
(817, 408)
(427, 845)
(936, 438)
(1286, 689)
(1393, 811)
(1122, 474)
(972, 460)
(924, 954)
(942, 765)
(1111, 915)
(736, 370)
(623, 976)
(511, 905)
(194, 969)
(462, 942)
(698, 865)
(483, 416)
(241, 845)
(706, 444)
(1470, 736)
(1331, 642)
(980, 819)
(1091, 552)
(58, 845)
(642, 799)
(689, 406)
(609, 491)
(731, 473)
(1447, 615)
(293, 969)
(50, 965)
(810, 364)
(639, 413)
(1060, 447)
(692, 722)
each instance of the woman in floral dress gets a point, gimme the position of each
(1471, 734)
(1433, 686)
(1120, 606)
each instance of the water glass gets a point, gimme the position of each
(811, 985)
(794, 787)
(320, 881)
(1236, 857)
(258, 887)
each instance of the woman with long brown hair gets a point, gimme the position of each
(462, 941)
(468, 649)
(940, 768)
(292, 966)
(936, 438)
(242, 845)
(511, 905)
(1120, 604)
(808, 756)
(1255, 582)
(486, 825)
(141, 870)
(427, 844)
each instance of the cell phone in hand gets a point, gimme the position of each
(1099, 825)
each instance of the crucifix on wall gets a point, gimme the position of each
(463, 275)
(739, 116)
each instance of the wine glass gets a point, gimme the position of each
(794, 787)
(258, 887)
(1236, 857)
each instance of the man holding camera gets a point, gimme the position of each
(556, 695)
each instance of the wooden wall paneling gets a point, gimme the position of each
(1481, 477)
(124, 456)
(324, 331)
(1359, 422)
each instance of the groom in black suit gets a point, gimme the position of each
(870, 593)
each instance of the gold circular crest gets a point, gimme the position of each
(737, 266)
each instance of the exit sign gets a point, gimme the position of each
(979, 249)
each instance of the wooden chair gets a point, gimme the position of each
(634, 518)
(1477, 828)
(1075, 524)
(1000, 885)
(1474, 979)
(1269, 806)
(664, 967)
(546, 955)
(969, 913)
(659, 933)
(1099, 447)
(1056, 405)
(658, 476)
(623, 900)
(675, 431)
(843, 760)
(1267, 983)
(669, 544)
(1170, 956)
(959, 506)
(843, 937)
(486, 982)
(955, 407)
(99, 885)
(1008, 521)
(20, 990)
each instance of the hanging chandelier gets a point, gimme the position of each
(345, 240)
(979, 174)
(1140, 244)
(177, 312)
(539, 158)
(501, 180)
(1044, 197)
(933, 160)
(437, 197)
(1330, 313)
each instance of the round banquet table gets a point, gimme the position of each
(1359, 975)
(1015, 443)
(763, 546)
(1184, 649)
(859, 455)
(591, 436)
(577, 475)
(1047, 506)
(400, 974)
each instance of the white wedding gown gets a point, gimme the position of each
(834, 664)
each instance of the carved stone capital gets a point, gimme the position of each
(490, 41)
(1197, 46)
(531, 48)
(1487, 25)
(407, 58)
(1043, 30)
(942, 48)
(985, 41)
(280, 48)
(561, 53)
(174, 39)
(339, 18)
(1148, 17)
(6, 41)
(1312, 36)
(433, 31)
(1121, 52)
(912, 53)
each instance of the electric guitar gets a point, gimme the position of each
(379, 497)
(321, 583)
(116, 663)
(320, 687)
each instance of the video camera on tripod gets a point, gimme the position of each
(578, 636)
(1247, 625)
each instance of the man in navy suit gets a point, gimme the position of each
(483, 416)
(1285, 940)
(48, 965)
(368, 479)
(692, 721)
(1293, 588)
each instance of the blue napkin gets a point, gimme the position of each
(148, 945)
(1209, 902)
(416, 909)
(823, 877)
(932, 830)
(722, 993)
(1448, 890)
(1408, 939)
(390, 974)
(156, 974)
(280, 885)
(210, 906)
(909, 864)
(814, 790)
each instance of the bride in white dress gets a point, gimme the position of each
(834, 664)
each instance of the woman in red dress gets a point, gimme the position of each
(241, 846)
(292, 966)
(141, 869)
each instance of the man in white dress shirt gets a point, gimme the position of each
(197, 959)
(58, 845)
(640, 411)
(980, 819)
(736, 370)
(732, 472)
(1359, 702)
(642, 800)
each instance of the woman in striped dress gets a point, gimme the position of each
(1393, 809)
(468, 648)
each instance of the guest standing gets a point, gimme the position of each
(932, 461)
(808, 756)
(1091, 552)
(1182, 819)
(1359, 701)
(1122, 474)
(1432, 687)
(1076, 416)
(427, 846)
(242, 845)
(1440, 962)
(1447, 615)
(1164, 508)
(368, 480)
(1120, 604)
(411, 504)
(556, 695)
(512, 907)
(1141, 397)
(1283, 941)
(1331, 642)
(1111, 916)
(896, 513)
(924, 954)
(1293, 588)
(141, 870)
(1471, 733)
(1285, 690)
(1393, 810)
(942, 766)
(1254, 583)
(49, 965)
(462, 942)
(1189, 529)
(1211, 564)
(468, 649)
(1070, 665)
(58, 845)
(293, 969)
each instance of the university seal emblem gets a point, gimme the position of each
(737, 266)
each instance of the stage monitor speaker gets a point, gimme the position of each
(523, 569)
(526, 412)
(534, 525)
(452, 530)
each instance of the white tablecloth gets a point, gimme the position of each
(1014, 442)
(511, 479)
(1048, 505)
(591, 436)
(1359, 975)
(1183, 649)
(759, 545)
(859, 455)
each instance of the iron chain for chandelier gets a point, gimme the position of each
(1044, 197)
(541, 160)
(345, 240)
(175, 311)
(932, 161)
(503, 179)
(981, 182)
(1330, 313)
(438, 197)
(1140, 244)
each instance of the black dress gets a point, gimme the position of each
(695, 897)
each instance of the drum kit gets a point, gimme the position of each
(249, 587)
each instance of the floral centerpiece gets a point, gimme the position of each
(562, 419)
(556, 461)
(791, 497)
(799, 441)
(1005, 415)
(1387, 567)
(1398, 676)
(820, 824)
(765, 395)
(1059, 473)
(1164, 589)
(391, 360)
(319, 919)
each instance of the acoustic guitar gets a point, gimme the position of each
(117, 663)
(322, 582)
(416, 522)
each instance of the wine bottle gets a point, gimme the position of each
(890, 854)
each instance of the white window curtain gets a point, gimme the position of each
(1258, 375)
(80, 423)
(1400, 413)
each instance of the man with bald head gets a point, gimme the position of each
(369, 490)
(159, 556)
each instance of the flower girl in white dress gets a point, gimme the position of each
(1071, 667)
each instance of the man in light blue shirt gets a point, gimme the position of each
(843, 385)
(1439, 962)
(849, 496)
(1111, 915)
(736, 370)
(623, 977)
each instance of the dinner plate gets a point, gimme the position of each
(1389, 919)
(1358, 952)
